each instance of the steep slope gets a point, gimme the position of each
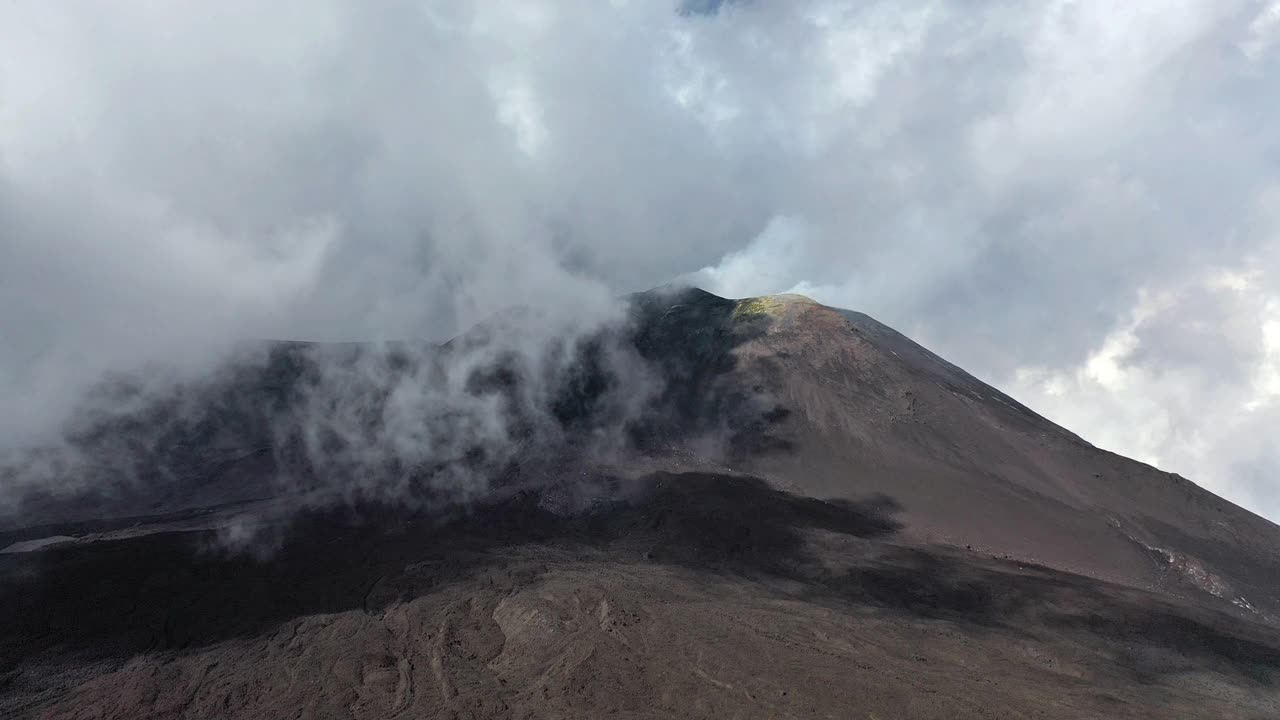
(717, 508)
(845, 406)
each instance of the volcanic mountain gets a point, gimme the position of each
(708, 508)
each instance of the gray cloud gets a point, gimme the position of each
(1015, 184)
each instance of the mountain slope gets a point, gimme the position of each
(714, 508)
(861, 409)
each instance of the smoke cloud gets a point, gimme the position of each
(1076, 200)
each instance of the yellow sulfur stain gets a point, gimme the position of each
(767, 305)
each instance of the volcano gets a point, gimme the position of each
(710, 508)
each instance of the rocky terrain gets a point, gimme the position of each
(714, 508)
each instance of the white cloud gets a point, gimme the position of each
(1003, 180)
(1180, 412)
(518, 109)
(1263, 32)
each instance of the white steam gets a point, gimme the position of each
(1005, 181)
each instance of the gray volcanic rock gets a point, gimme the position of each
(718, 508)
(862, 409)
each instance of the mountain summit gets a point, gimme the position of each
(707, 508)
(862, 409)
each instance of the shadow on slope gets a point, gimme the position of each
(169, 591)
(172, 590)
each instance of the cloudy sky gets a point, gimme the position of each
(1077, 200)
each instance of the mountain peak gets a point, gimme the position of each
(765, 452)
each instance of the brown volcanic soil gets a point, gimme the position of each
(824, 520)
(843, 406)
